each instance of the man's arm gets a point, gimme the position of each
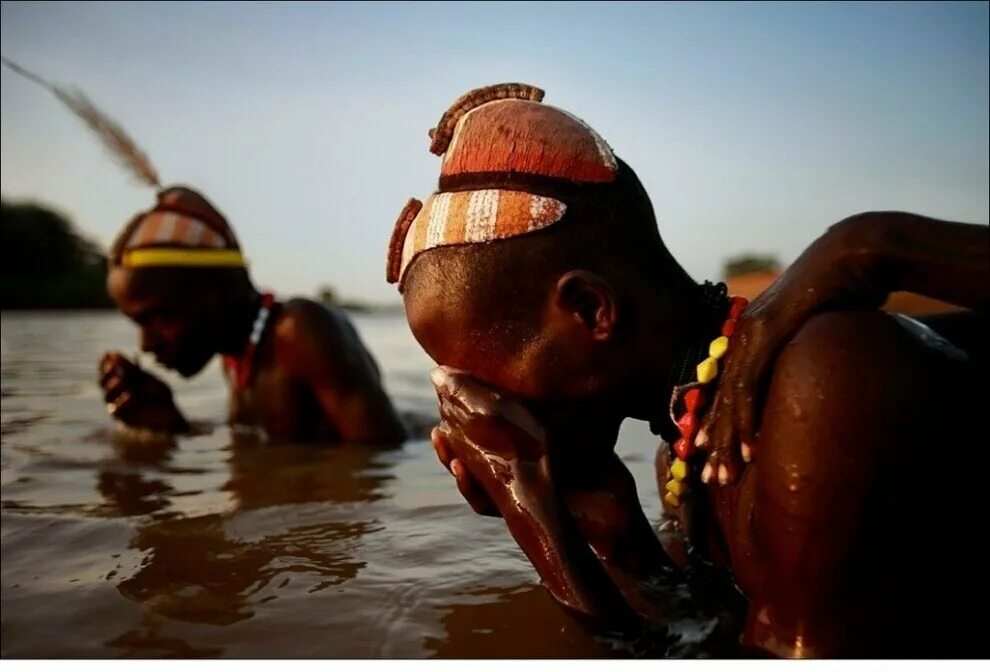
(321, 349)
(857, 263)
(503, 449)
(900, 251)
(605, 506)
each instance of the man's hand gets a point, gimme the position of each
(484, 439)
(497, 452)
(137, 398)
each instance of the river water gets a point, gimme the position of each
(222, 546)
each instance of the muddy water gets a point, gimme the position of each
(222, 546)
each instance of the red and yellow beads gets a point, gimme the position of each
(694, 402)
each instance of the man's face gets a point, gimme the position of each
(176, 325)
(450, 338)
(552, 366)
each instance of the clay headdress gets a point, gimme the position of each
(182, 229)
(497, 134)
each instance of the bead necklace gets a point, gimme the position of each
(241, 368)
(694, 403)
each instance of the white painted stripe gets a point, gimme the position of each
(167, 227)
(482, 213)
(162, 227)
(537, 207)
(194, 233)
(206, 239)
(604, 151)
(456, 136)
(544, 211)
(439, 214)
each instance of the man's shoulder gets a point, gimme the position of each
(306, 332)
(301, 319)
(862, 343)
(857, 362)
(836, 336)
(848, 389)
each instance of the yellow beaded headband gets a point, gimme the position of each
(182, 256)
(173, 239)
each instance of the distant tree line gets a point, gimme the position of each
(45, 263)
(328, 296)
(750, 263)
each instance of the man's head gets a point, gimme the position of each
(547, 306)
(176, 271)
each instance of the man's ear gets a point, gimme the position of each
(590, 300)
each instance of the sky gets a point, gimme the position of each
(753, 126)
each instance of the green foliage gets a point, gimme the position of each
(44, 263)
(750, 263)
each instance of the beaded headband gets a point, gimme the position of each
(165, 238)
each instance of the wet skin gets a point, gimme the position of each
(313, 378)
(824, 533)
(575, 518)
(854, 265)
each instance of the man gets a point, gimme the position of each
(537, 276)
(297, 370)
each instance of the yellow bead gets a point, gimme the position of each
(679, 469)
(718, 347)
(676, 487)
(672, 499)
(707, 370)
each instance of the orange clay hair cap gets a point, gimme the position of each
(505, 130)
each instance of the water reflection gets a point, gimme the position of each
(216, 569)
(477, 624)
(263, 475)
(222, 547)
(125, 484)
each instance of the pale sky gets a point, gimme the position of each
(753, 126)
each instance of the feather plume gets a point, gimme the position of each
(113, 137)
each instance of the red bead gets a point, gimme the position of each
(694, 399)
(683, 448)
(737, 306)
(688, 424)
(729, 328)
